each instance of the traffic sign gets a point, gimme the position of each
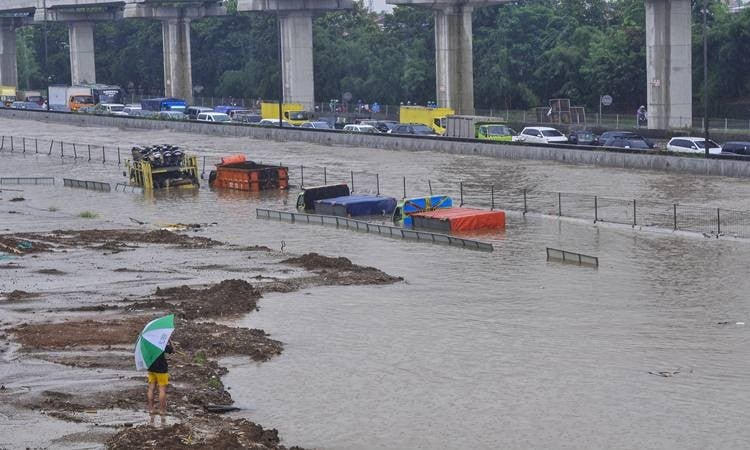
(347, 96)
(606, 100)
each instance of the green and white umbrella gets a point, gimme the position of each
(152, 341)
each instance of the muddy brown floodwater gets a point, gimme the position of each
(71, 336)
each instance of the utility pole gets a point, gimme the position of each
(705, 77)
(46, 52)
(281, 69)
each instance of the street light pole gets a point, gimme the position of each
(705, 77)
(46, 51)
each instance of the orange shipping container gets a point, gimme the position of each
(249, 176)
(459, 219)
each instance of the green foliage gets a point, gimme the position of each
(525, 53)
(88, 215)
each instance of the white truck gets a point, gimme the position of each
(70, 98)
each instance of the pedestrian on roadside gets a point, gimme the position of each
(642, 117)
(158, 375)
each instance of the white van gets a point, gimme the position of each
(213, 117)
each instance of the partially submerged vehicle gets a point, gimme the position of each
(408, 206)
(162, 166)
(447, 220)
(336, 200)
(236, 172)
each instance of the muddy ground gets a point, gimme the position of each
(73, 337)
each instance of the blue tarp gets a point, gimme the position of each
(420, 204)
(356, 205)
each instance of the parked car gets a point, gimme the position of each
(167, 115)
(582, 137)
(274, 123)
(633, 142)
(736, 148)
(115, 109)
(192, 111)
(609, 135)
(131, 110)
(243, 117)
(383, 126)
(214, 117)
(413, 128)
(26, 105)
(692, 145)
(360, 128)
(541, 135)
(318, 125)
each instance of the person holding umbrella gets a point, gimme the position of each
(152, 344)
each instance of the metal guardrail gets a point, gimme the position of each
(84, 184)
(128, 188)
(367, 227)
(27, 180)
(572, 257)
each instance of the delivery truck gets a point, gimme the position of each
(434, 118)
(70, 98)
(7, 95)
(477, 127)
(293, 112)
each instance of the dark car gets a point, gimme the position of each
(609, 135)
(383, 126)
(630, 142)
(736, 148)
(582, 137)
(412, 128)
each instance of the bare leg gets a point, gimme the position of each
(150, 397)
(162, 400)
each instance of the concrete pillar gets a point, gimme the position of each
(454, 62)
(297, 57)
(668, 64)
(178, 76)
(82, 60)
(8, 62)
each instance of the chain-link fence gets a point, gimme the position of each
(633, 212)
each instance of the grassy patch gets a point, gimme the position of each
(53, 209)
(88, 215)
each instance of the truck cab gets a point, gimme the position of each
(494, 132)
(293, 112)
(76, 102)
(434, 118)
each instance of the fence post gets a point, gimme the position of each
(404, 187)
(429, 183)
(559, 204)
(11, 144)
(36, 145)
(203, 173)
(492, 197)
(352, 176)
(24, 144)
(104, 157)
(461, 187)
(75, 152)
(726, 124)
(617, 121)
(89, 147)
(596, 209)
(634, 211)
(118, 156)
(674, 206)
(325, 176)
(524, 202)
(718, 222)
(2, 143)
(62, 149)
(302, 176)
(377, 184)
(51, 143)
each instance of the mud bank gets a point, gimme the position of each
(98, 337)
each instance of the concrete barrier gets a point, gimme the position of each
(739, 168)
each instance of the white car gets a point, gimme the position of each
(131, 110)
(318, 125)
(692, 145)
(214, 117)
(115, 109)
(361, 128)
(541, 135)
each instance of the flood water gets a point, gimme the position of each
(472, 350)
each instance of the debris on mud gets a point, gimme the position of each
(110, 240)
(341, 271)
(228, 298)
(18, 295)
(17, 199)
(199, 432)
(22, 246)
(50, 272)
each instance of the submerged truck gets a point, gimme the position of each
(70, 98)
(293, 112)
(434, 118)
(477, 127)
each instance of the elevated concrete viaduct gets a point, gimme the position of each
(295, 18)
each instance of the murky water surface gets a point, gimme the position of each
(473, 350)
